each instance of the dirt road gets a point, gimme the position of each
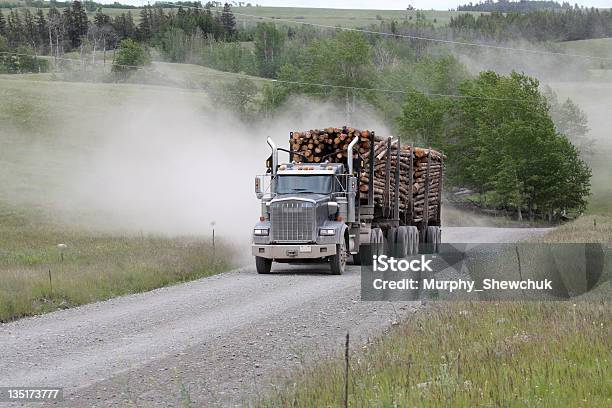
(222, 340)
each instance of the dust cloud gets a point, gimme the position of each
(165, 166)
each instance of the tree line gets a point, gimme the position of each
(59, 31)
(571, 24)
(506, 6)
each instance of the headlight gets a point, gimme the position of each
(261, 231)
(327, 232)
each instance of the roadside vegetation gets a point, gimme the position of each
(472, 354)
(38, 276)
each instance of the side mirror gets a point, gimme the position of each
(259, 187)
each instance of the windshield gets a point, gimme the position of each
(304, 184)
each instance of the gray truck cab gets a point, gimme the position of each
(306, 213)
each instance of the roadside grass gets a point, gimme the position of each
(478, 353)
(472, 354)
(37, 277)
(585, 229)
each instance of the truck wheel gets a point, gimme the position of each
(379, 246)
(413, 240)
(401, 242)
(263, 265)
(337, 262)
(391, 248)
(431, 239)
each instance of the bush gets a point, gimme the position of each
(22, 62)
(130, 56)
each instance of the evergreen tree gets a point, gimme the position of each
(42, 29)
(228, 21)
(2, 24)
(14, 29)
(144, 28)
(80, 20)
(30, 32)
(101, 19)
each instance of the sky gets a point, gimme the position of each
(378, 4)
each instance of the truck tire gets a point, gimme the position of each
(391, 241)
(401, 242)
(364, 256)
(413, 240)
(263, 265)
(379, 247)
(337, 262)
(432, 239)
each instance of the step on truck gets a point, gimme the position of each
(346, 193)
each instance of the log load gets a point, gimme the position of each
(420, 168)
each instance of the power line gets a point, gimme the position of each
(302, 83)
(407, 36)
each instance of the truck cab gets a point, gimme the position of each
(306, 213)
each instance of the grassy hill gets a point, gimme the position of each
(342, 17)
(50, 132)
(600, 47)
(325, 16)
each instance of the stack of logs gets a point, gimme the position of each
(331, 145)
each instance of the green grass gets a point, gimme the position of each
(325, 16)
(95, 265)
(600, 47)
(589, 228)
(46, 124)
(510, 354)
(472, 354)
(344, 17)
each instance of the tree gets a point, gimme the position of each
(500, 139)
(30, 34)
(228, 21)
(423, 119)
(42, 28)
(238, 96)
(2, 25)
(130, 56)
(571, 121)
(145, 26)
(56, 29)
(268, 45)
(173, 44)
(14, 29)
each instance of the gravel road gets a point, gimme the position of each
(219, 341)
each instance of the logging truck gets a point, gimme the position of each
(346, 193)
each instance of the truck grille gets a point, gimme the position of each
(292, 221)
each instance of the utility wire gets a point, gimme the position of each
(407, 36)
(298, 83)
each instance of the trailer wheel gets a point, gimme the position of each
(337, 262)
(401, 242)
(379, 247)
(263, 265)
(391, 241)
(413, 240)
(432, 238)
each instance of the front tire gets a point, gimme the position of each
(337, 262)
(263, 265)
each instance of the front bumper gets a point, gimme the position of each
(281, 251)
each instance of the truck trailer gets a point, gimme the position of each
(346, 193)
